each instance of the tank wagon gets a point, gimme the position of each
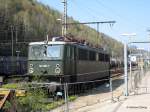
(61, 61)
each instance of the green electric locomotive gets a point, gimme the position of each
(61, 61)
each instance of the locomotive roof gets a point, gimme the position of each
(71, 43)
(50, 42)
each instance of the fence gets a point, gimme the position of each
(100, 91)
(80, 96)
(139, 81)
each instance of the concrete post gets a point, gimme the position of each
(125, 70)
(130, 80)
(111, 88)
(66, 97)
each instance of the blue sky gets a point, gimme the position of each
(131, 16)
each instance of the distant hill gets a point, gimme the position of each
(29, 20)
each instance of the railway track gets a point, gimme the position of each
(77, 86)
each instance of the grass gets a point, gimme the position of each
(11, 86)
(58, 103)
(45, 106)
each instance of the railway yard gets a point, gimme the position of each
(52, 62)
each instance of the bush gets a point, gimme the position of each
(7, 105)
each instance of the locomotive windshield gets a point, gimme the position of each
(53, 51)
(45, 52)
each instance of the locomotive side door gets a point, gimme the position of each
(73, 63)
(70, 62)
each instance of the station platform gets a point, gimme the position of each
(139, 101)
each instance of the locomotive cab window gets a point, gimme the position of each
(40, 52)
(37, 52)
(53, 51)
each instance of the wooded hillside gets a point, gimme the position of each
(29, 20)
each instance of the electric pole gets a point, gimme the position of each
(12, 42)
(64, 19)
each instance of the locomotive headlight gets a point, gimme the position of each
(31, 65)
(31, 70)
(57, 65)
(57, 70)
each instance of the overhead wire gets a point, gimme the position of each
(83, 10)
(90, 10)
(125, 19)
